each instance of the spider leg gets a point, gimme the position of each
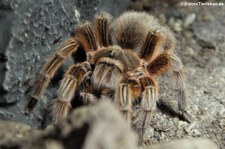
(65, 93)
(88, 98)
(125, 100)
(102, 27)
(160, 64)
(87, 36)
(48, 71)
(86, 89)
(180, 83)
(129, 89)
(148, 105)
(151, 45)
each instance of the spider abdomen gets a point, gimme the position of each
(130, 29)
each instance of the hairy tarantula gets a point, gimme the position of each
(119, 60)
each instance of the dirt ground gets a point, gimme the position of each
(201, 46)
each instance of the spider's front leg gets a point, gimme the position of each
(149, 98)
(129, 89)
(65, 93)
(48, 71)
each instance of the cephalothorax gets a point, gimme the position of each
(119, 60)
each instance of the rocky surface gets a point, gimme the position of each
(96, 126)
(85, 128)
(186, 144)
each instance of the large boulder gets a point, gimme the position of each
(98, 126)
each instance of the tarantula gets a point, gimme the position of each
(119, 60)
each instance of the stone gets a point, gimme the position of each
(189, 20)
(185, 144)
(97, 126)
(104, 127)
(12, 134)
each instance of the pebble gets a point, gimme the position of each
(77, 15)
(206, 17)
(186, 144)
(19, 136)
(149, 132)
(195, 133)
(189, 20)
(188, 34)
(222, 112)
(171, 21)
(182, 123)
(223, 136)
(190, 51)
(162, 18)
(163, 135)
(190, 127)
(175, 24)
(53, 144)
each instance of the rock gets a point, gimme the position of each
(190, 127)
(189, 20)
(97, 126)
(176, 25)
(104, 128)
(29, 32)
(162, 18)
(13, 133)
(186, 144)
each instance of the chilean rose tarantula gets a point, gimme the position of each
(118, 60)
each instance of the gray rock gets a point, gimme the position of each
(186, 144)
(97, 126)
(189, 19)
(30, 32)
(12, 134)
(104, 127)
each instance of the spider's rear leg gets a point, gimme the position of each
(151, 46)
(148, 105)
(180, 84)
(48, 71)
(65, 93)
